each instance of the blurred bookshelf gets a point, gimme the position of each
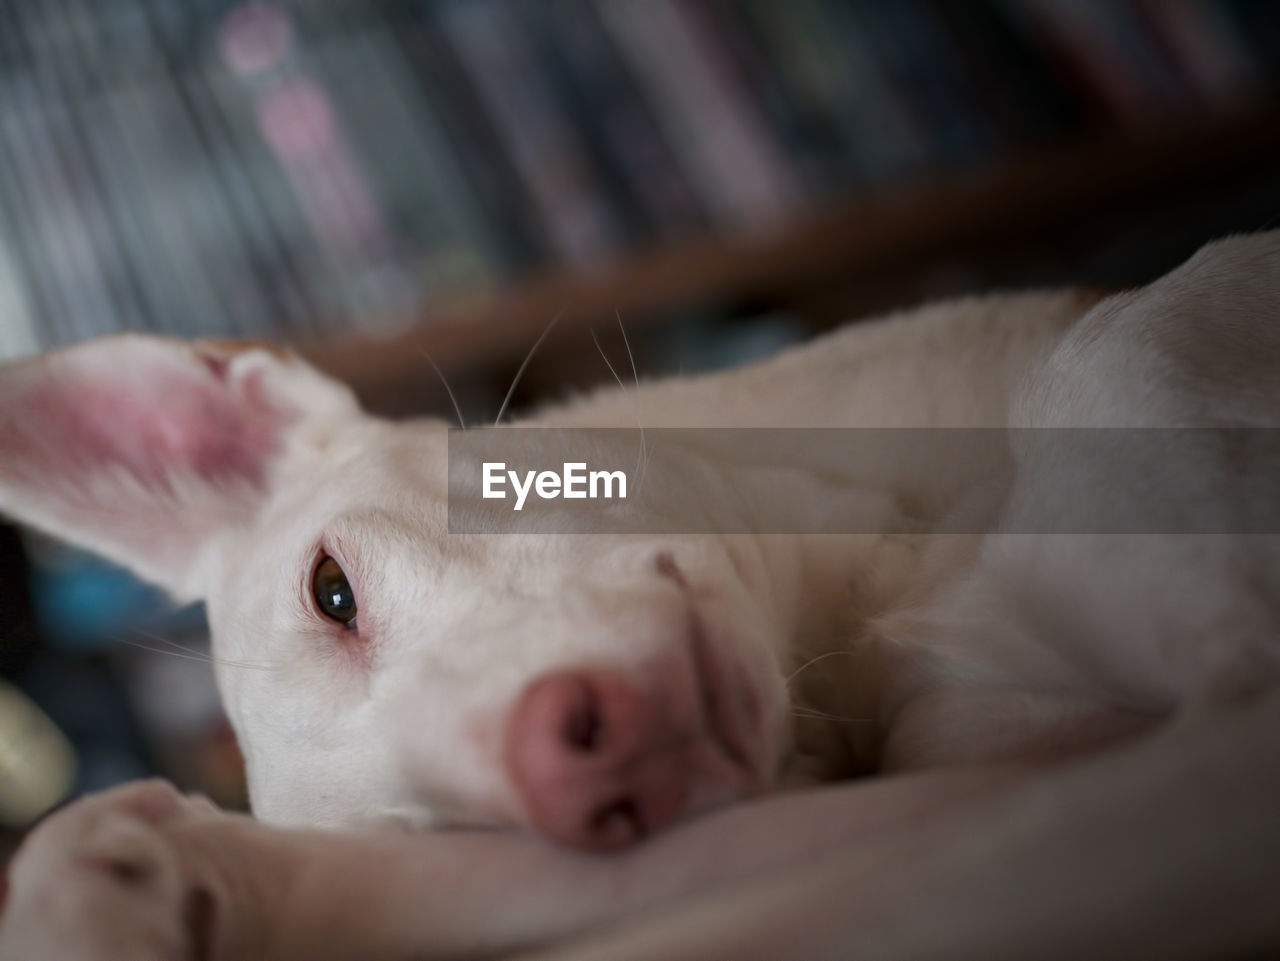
(369, 181)
(856, 257)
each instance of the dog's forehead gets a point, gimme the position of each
(376, 499)
(370, 467)
(386, 489)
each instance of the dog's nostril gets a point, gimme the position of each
(597, 761)
(618, 823)
(584, 726)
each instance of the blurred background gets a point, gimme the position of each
(388, 186)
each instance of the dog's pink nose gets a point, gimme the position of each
(598, 762)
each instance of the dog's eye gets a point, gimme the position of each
(333, 592)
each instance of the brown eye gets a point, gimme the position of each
(333, 592)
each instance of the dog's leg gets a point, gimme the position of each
(1168, 849)
(141, 873)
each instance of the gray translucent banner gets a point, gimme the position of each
(860, 481)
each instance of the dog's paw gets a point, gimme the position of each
(100, 881)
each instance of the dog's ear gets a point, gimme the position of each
(148, 450)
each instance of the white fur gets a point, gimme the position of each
(927, 649)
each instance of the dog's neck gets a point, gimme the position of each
(855, 663)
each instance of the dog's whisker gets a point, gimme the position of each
(814, 660)
(816, 715)
(160, 639)
(515, 381)
(190, 650)
(160, 650)
(642, 459)
(605, 357)
(626, 342)
(448, 390)
(635, 375)
(185, 653)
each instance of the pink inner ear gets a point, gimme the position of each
(159, 425)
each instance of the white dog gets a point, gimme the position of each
(1078, 724)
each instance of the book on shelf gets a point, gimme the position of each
(734, 162)
(927, 72)
(18, 337)
(1206, 48)
(535, 131)
(646, 179)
